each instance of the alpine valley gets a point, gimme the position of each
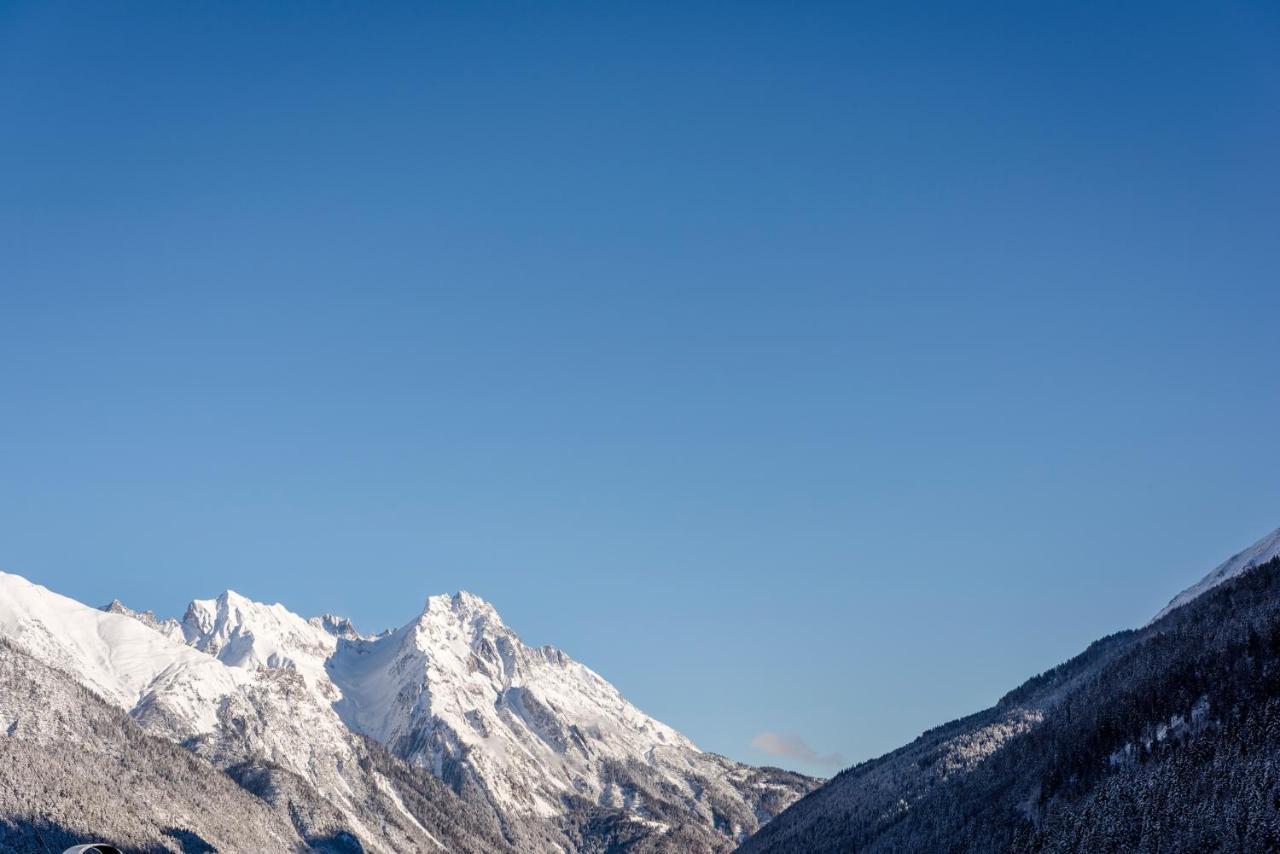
(245, 727)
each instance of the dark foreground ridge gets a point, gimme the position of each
(1161, 739)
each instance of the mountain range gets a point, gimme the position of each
(447, 733)
(246, 727)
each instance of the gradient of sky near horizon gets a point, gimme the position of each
(814, 372)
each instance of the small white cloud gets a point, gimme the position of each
(794, 747)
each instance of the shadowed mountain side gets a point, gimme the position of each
(1160, 739)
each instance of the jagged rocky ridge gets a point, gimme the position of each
(1160, 739)
(447, 733)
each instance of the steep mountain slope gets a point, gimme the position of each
(76, 769)
(1161, 739)
(1260, 552)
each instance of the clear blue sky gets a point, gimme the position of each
(822, 369)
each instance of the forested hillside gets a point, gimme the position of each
(77, 770)
(1157, 740)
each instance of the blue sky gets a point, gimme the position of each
(821, 370)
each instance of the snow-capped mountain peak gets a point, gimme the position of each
(462, 609)
(243, 633)
(339, 627)
(532, 725)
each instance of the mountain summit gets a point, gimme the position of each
(456, 691)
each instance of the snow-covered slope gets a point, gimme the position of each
(117, 657)
(1260, 552)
